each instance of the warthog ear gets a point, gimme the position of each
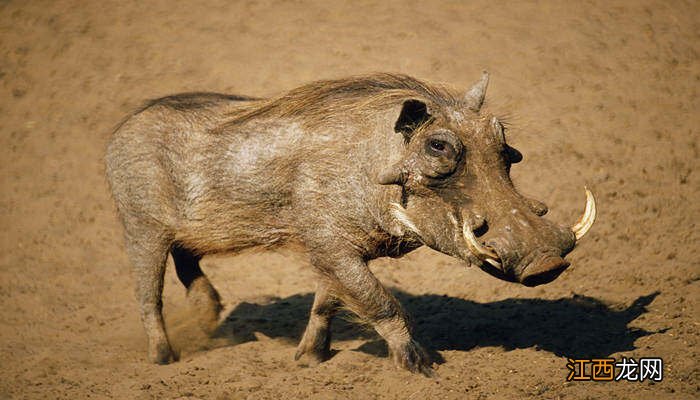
(413, 114)
(475, 96)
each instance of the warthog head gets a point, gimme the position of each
(458, 197)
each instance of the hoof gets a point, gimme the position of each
(411, 356)
(161, 354)
(315, 344)
(314, 355)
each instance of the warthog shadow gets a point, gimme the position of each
(576, 327)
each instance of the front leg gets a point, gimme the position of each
(350, 280)
(316, 341)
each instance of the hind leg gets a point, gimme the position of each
(202, 296)
(148, 250)
(316, 341)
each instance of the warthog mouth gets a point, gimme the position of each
(543, 270)
(538, 270)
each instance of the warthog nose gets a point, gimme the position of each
(543, 270)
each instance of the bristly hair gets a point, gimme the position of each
(320, 101)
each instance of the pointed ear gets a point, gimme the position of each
(413, 114)
(475, 96)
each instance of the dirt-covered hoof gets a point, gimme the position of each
(411, 356)
(161, 354)
(315, 345)
(313, 356)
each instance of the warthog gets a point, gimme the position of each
(352, 169)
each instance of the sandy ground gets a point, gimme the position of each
(600, 94)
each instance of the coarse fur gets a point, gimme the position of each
(319, 166)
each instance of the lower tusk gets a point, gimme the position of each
(482, 252)
(400, 214)
(588, 218)
(493, 262)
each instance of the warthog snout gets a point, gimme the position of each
(528, 249)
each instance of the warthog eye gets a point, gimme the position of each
(437, 145)
(442, 152)
(440, 148)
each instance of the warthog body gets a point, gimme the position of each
(352, 169)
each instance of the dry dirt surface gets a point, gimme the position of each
(603, 94)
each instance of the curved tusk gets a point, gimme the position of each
(482, 252)
(588, 218)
